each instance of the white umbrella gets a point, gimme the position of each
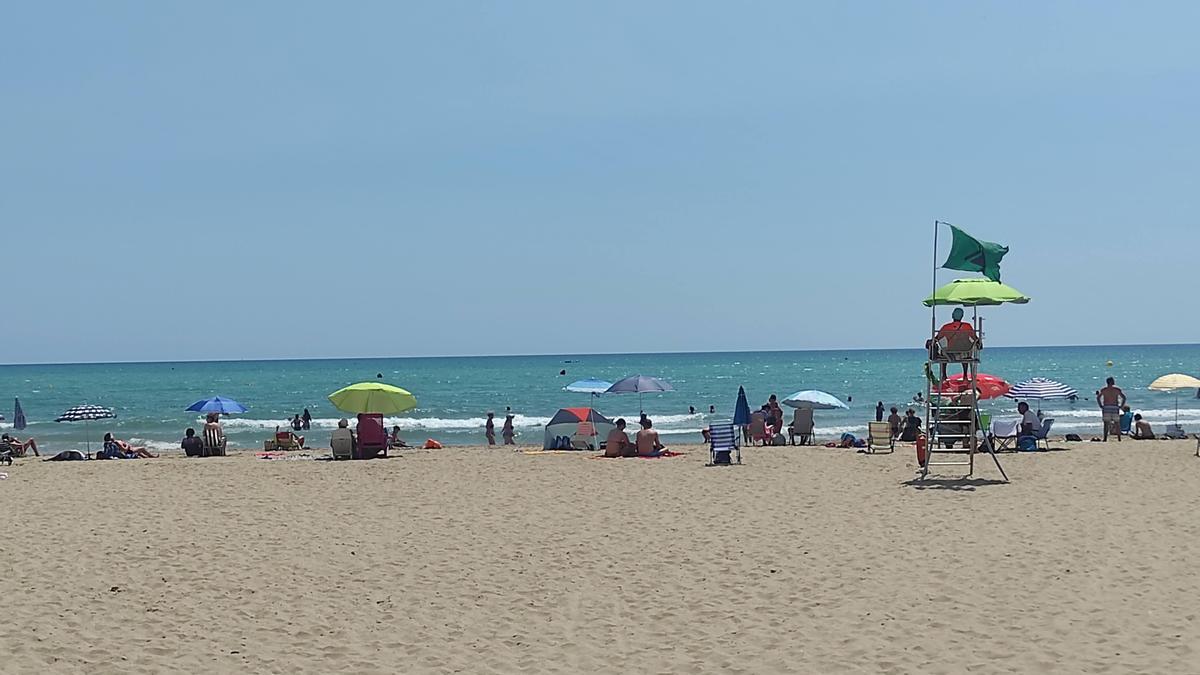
(815, 400)
(1174, 382)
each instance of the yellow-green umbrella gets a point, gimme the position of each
(373, 397)
(975, 292)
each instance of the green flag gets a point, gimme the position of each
(972, 255)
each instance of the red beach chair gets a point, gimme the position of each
(372, 437)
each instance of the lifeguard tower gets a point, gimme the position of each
(953, 426)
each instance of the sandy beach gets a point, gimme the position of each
(490, 561)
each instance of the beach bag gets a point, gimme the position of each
(431, 444)
(1027, 443)
(722, 457)
(1074, 437)
(778, 440)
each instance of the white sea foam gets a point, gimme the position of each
(435, 423)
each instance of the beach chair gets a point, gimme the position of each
(957, 347)
(372, 437)
(285, 441)
(1040, 436)
(801, 426)
(212, 443)
(758, 429)
(879, 436)
(723, 446)
(1004, 434)
(341, 442)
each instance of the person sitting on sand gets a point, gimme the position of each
(894, 421)
(18, 447)
(647, 440)
(1141, 429)
(617, 444)
(191, 443)
(394, 440)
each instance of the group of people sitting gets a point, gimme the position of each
(646, 444)
(344, 433)
(115, 448)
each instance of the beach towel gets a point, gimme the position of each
(665, 454)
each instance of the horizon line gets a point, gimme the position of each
(526, 355)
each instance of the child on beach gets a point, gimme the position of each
(894, 421)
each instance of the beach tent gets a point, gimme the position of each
(576, 425)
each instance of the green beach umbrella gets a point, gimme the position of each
(373, 397)
(975, 293)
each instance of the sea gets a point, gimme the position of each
(455, 393)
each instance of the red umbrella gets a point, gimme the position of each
(989, 386)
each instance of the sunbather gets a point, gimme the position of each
(125, 450)
(1141, 429)
(647, 440)
(17, 446)
(394, 440)
(617, 444)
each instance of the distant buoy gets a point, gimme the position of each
(1109, 364)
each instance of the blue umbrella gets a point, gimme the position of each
(814, 399)
(639, 384)
(18, 415)
(588, 386)
(741, 409)
(217, 404)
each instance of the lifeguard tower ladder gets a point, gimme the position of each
(951, 419)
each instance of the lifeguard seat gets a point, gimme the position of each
(955, 347)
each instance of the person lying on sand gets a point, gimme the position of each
(647, 440)
(115, 448)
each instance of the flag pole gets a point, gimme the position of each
(933, 307)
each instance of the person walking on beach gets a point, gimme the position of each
(489, 428)
(1110, 399)
(507, 432)
(306, 419)
(879, 411)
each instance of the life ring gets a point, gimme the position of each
(922, 449)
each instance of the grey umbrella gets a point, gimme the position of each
(639, 384)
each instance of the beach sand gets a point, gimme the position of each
(489, 561)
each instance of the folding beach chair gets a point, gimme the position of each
(372, 437)
(212, 443)
(341, 442)
(1041, 435)
(1004, 434)
(802, 426)
(723, 446)
(879, 436)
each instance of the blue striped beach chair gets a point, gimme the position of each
(724, 447)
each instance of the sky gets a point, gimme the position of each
(233, 180)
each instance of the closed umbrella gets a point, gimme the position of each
(639, 384)
(1040, 388)
(373, 397)
(217, 404)
(1174, 382)
(85, 414)
(741, 409)
(814, 399)
(18, 415)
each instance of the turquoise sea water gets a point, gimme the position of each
(455, 393)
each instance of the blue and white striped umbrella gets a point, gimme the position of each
(1041, 388)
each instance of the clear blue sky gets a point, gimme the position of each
(243, 180)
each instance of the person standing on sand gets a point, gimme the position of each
(306, 419)
(507, 431)
(489, 429)
(1110, 399)
(879, 411)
